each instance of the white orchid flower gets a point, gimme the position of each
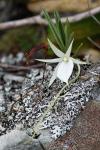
(65, 66)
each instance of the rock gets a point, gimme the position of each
(20, 140)
(13, 77)
(61, 5)
(98, 98)
(2, 101)
(30, 106)
(61, 117)
(11, 139)
(91, 55)
(35, 99)
(85, 134)
(19, 57)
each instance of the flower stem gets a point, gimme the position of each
(37, 126)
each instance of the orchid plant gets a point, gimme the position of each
(65, 66)
(63, 71)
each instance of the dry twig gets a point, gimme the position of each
(19, 68)
(93, 42)
(39, 20)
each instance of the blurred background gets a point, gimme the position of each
(32, 38)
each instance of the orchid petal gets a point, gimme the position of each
(50, 60)
(65, 70)
(77, 61)
(69, 49)
(55, 49)
(53, 76)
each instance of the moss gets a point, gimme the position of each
(23, 38)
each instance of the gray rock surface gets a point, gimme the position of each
(20, 140)
(98, 98)
(2, 101)
(85, 134)
(61, 117)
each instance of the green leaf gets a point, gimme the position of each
(63, 36)
(60, 28)
(53, 29)
(68, 34)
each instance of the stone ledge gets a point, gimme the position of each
(85, 134)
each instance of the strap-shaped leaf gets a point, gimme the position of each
(63, 36)
(54, 30)
(68, 33)
(60, 28)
